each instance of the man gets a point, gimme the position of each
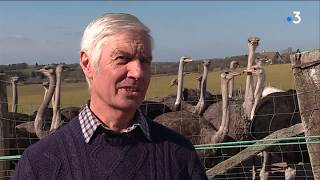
(111, 138)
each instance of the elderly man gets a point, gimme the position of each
(111, 138)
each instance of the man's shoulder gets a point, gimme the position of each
(161, 133)
(50, 144)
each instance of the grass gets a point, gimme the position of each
(76, 94)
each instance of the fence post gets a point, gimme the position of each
(306, 71)
(4, 165)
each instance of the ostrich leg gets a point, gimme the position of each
(266, 166)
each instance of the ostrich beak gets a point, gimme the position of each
(187, 60)
(252, 69)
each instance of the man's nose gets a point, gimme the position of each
(135, 69)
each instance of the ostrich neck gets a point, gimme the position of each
(258, 92)
(200, 107)
(203, 87)
(180, 85)
(45, 92)
(39, 120)
(56, 106)
(251, 54)
(260, 85)
(224, 126)
(230, 88)
(249, 99)
(14, 97)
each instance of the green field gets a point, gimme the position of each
(75, 94)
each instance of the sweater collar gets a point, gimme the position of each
(89, 124)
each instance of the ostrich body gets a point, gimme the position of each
(269, 89)
(276, 111)
(233, 66)
(14, 81)
(253, 42)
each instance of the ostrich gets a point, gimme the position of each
(183, 60)
(56, 119)
(223, 130)
(276, 111)
(260, 84)
(200, 107)
(253, 43)
(233, 66)
(239, 123)
(57, 116)
(39, 119)
(196, 128)
(172, 101)
(14, 81)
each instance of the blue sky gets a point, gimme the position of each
(48, 32)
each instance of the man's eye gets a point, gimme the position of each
(122, 59)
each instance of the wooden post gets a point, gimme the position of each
(306, 71)
(249, 152)
(4, 165)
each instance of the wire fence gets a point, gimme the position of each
(278, 111)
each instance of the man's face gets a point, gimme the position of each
(123, 74)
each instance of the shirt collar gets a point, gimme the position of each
(89, 124)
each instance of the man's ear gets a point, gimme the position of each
(86, 65)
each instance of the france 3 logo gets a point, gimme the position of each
(296, 19)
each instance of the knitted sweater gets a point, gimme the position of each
(65, 155)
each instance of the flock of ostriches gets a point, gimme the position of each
(197, 114)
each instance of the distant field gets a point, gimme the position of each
(75, 94)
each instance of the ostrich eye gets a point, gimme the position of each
(226, 72)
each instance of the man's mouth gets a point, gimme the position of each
(131, 90)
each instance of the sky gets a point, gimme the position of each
(50, 32)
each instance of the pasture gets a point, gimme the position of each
(76, 94)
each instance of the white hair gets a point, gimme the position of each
(101, 28)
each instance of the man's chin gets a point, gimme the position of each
(129, 104)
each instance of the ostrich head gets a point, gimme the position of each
(45, 84)
(199, 78)
(206, 62)
(61, 68)
(185, 59)
(174, 81)
(256, 69)
(234, 65)
(228, 75)
(253, 41)
(14, 79)
(47, 70)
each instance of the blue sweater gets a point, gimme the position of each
(65, 155)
